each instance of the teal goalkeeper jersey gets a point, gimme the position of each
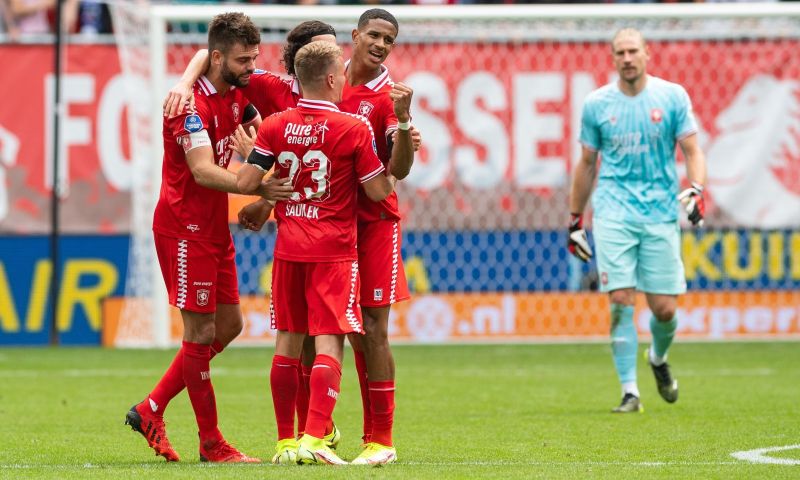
(636, 139)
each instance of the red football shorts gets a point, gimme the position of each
(383, 278)
(315, 298)
(198, 274)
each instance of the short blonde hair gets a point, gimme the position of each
(628, 32)
(314, 61)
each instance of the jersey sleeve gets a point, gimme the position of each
(685, 123)
(262, 146)
(255, 91)
(590, 133)
(268, 92)
(367, 164)
(190, 122)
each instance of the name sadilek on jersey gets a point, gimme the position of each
(302, 210)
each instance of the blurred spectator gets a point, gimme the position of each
(33, 16)
(94, 17)
(7, 26)
(30, 16)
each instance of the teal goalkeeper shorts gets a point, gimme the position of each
(644, 256)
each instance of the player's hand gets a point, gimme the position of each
(694, 203)
(179, 98)
(416, 137)
(401, 97)
(577, 242)
(277, 189)
(253, 215)
(242, 142)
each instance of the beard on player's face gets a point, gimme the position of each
(232, 78)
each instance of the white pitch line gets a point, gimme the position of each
(759, 455)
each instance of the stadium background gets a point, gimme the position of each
(485, 206)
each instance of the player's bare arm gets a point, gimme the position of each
(416, 137)
(249, 181)
(403, 146)
(695, 159)
(254, 215)
(207, 173)
(181, 94)
(583, 180)
(249, 178)
(379, 187)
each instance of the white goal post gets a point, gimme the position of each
(148, 47)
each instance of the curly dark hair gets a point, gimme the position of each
(301, 36)
(377, 14)
(228, 29)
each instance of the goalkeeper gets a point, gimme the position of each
(634, 124)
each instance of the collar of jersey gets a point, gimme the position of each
(317, 105)
(207, 87)
(378, 82)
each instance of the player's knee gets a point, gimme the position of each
(377, 330)
(622, 297)
(234, 328)
(228, 331)
(664, 313)
(204, 333)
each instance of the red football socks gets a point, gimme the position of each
(381, 396)
(326, 376)
(284, 384)
(171, 384)
(303, 385)
(361, 370)
(216, 348)
(197, 376)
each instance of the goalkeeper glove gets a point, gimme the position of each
(577, 242)
(693, 202)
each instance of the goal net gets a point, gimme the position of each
(498, 92)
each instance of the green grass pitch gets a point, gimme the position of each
(475, 411)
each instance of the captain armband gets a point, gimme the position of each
(194, 140)
(261, 161)
(250, 113)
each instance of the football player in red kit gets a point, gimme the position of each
(193, 242)
(324, 154)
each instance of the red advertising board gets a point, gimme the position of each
(499, 124)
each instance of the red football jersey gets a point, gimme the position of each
(327, 154)
(270, 93)
(185, 209)
(372, 101)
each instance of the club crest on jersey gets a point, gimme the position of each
(365, 108)
(192, 123)
(203, 295)
(656, 115)
(235, 108)
(377, 295)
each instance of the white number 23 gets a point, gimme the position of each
(318, 164)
